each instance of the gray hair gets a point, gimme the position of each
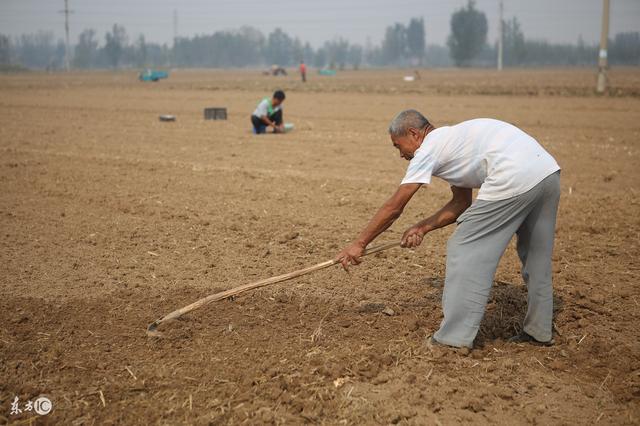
(405, 120)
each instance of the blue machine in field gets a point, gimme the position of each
(326, 71)
(152, 75)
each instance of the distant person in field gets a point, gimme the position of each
(268, 113)
(519, 190)
(303, 71)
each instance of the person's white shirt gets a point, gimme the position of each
(263, 108)
(497, 157)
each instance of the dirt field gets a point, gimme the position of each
(111, 219)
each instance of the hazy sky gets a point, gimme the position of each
(313, 21)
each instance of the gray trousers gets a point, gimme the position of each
(475, 248)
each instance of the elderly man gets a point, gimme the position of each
(519, 190)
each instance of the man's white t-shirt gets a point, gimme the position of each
(497, 157)
(263, 108)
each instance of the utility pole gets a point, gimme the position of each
(500, 31)
(602, 56)
(66, 12)
(175, 35)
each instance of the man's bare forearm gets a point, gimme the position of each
(379, 223)
(266, 120)
(443, 217)
(388, 213)
(448, 214)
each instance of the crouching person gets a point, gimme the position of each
(268, 113)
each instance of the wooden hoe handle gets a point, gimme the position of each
(152, 329)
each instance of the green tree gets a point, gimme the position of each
(394, 45)
(5, 50)
(415, 39)
(355, 56)
(298, 51)
(116, 42)
(141, 56)
(250, 43)
(337, 51)
(280, 48)
(513, 43)
(37, 50)
(468, 34)
(307, 53)
(625, 48)
(86, 51)
(320, 58)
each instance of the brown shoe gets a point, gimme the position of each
(439, 350)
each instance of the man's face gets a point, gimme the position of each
(275, 102)
(407, 144)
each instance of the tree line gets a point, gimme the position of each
(402, 45)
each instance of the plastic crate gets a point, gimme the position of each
(215, 113)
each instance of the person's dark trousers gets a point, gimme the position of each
(304, 77)
(259, 126)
